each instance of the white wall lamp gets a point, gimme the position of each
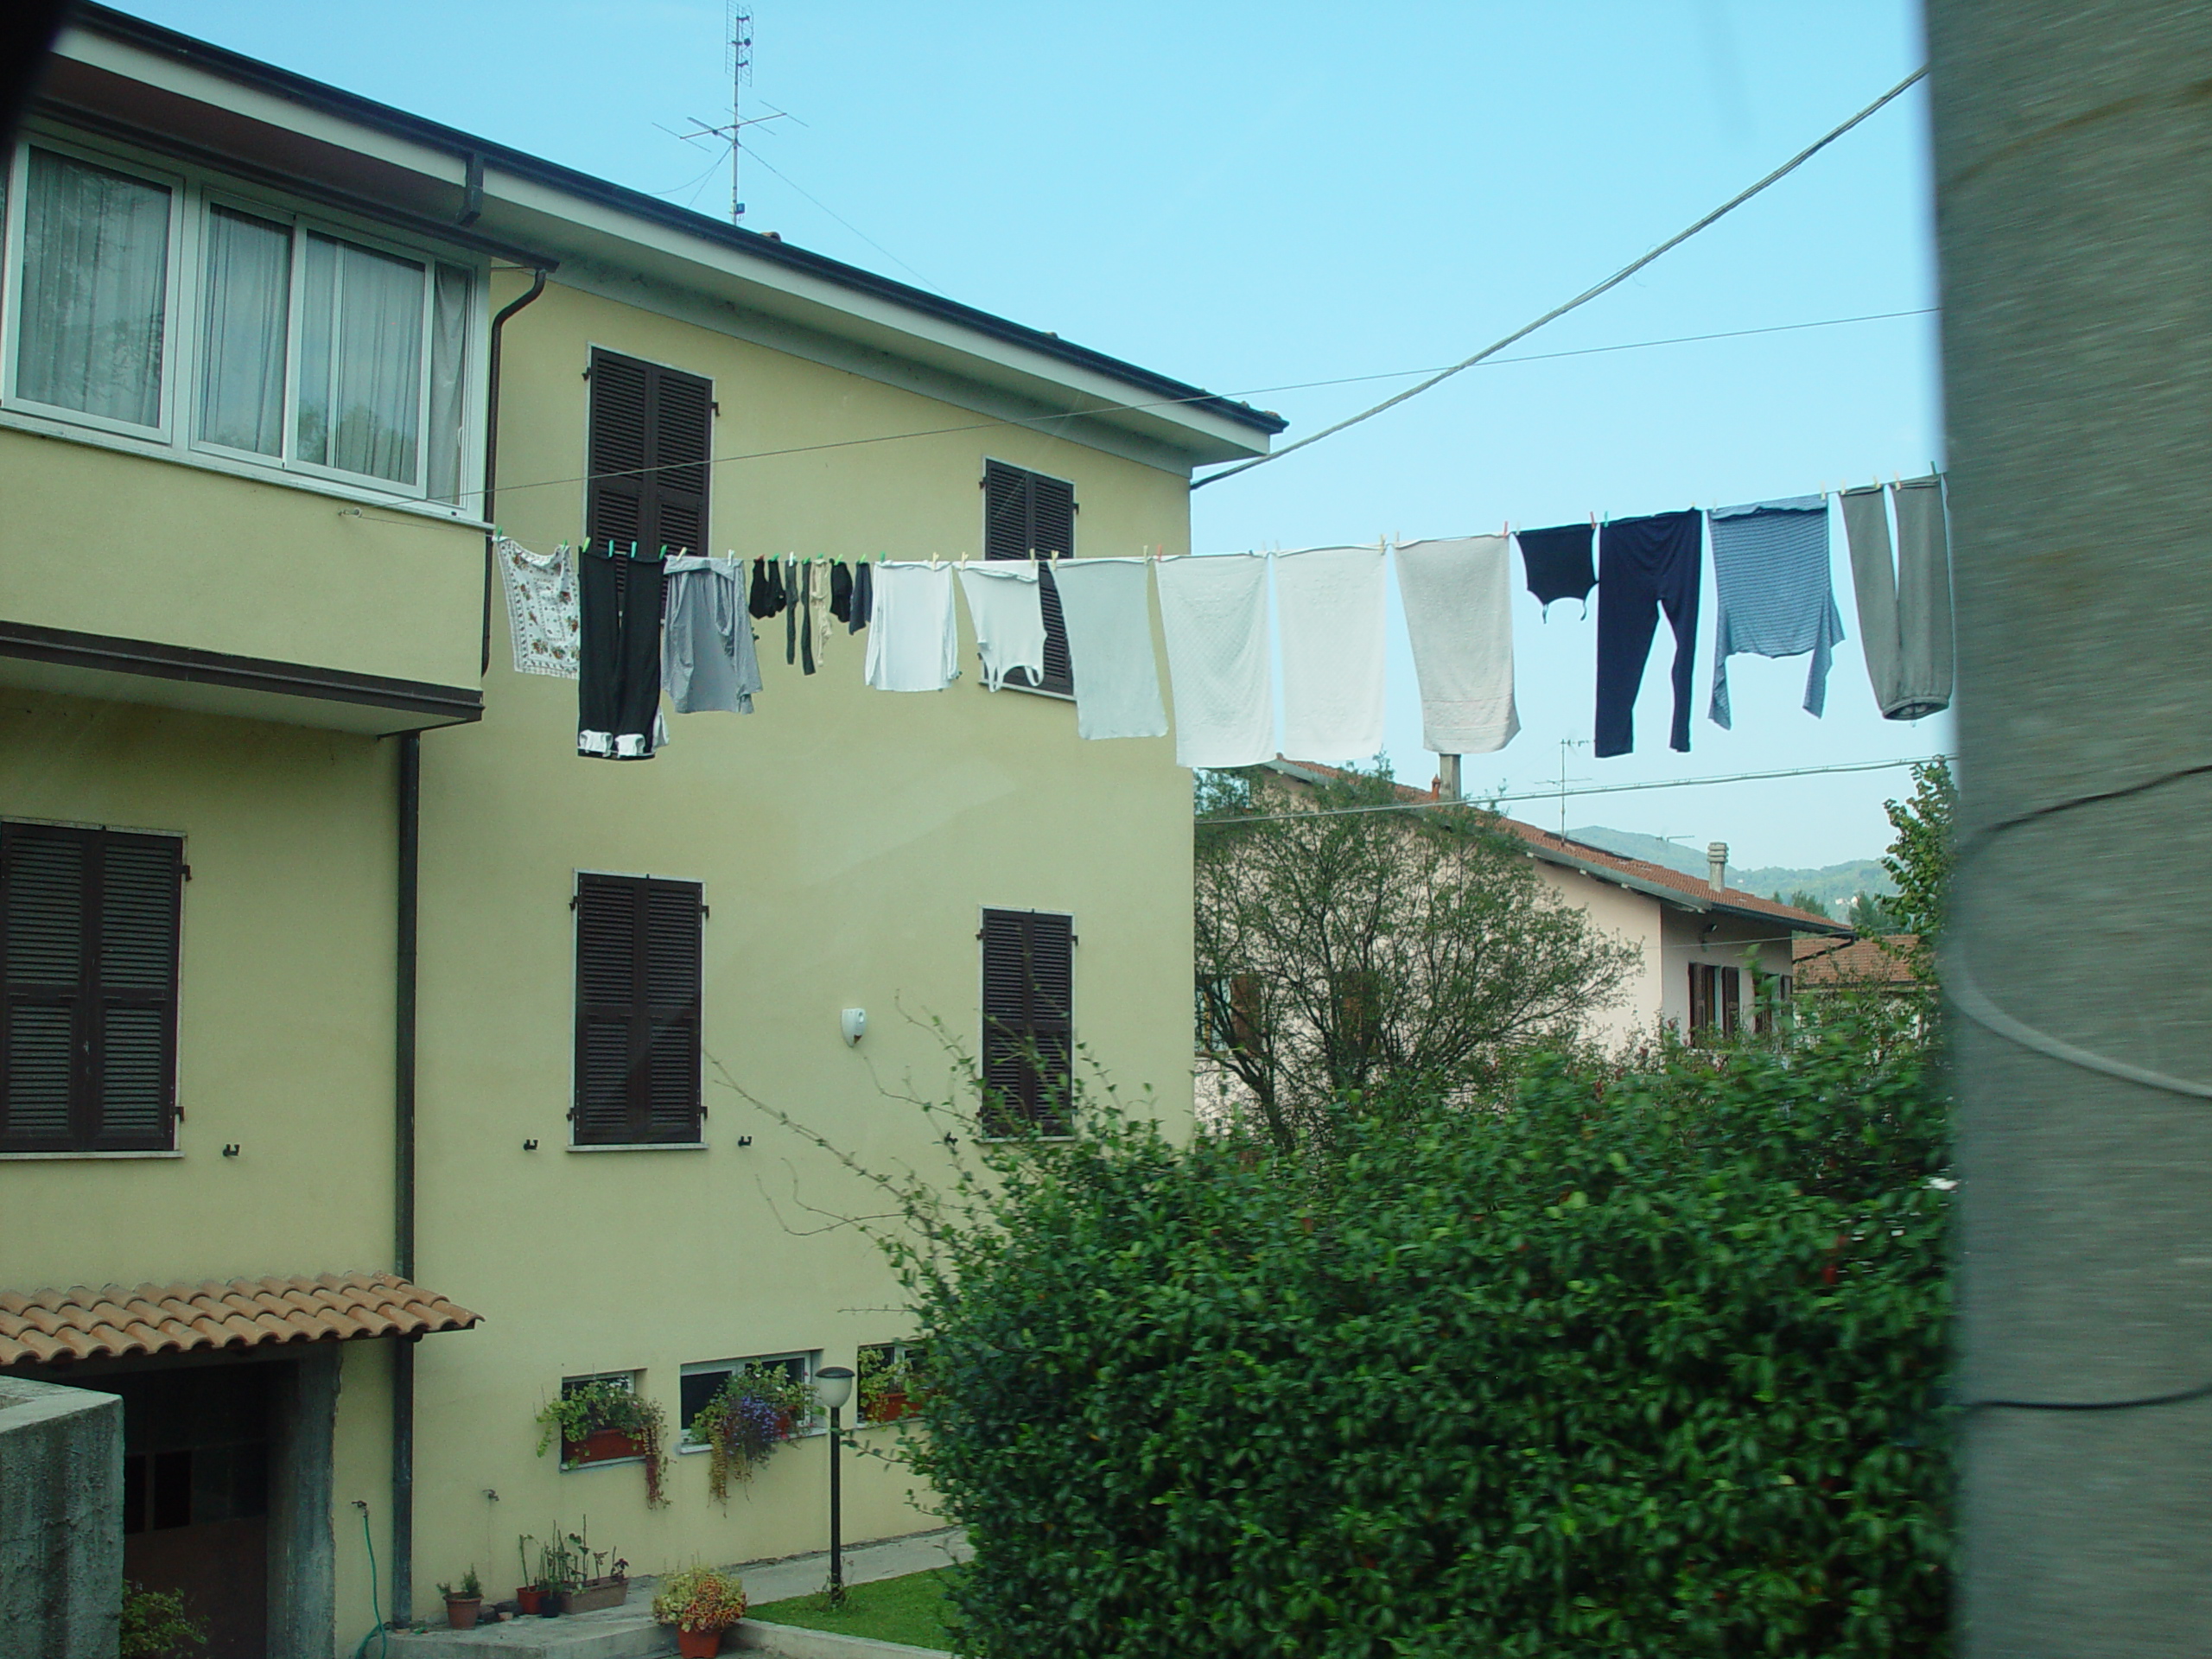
(853, 1023)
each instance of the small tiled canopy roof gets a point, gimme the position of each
(55, 1326)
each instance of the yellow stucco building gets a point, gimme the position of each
(308, 1146)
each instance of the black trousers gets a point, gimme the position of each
(1645, 566)
(617, 686)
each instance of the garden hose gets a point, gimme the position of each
(381, 1631)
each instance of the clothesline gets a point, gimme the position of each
(599, 617)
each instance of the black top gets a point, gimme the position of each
(1558, 563)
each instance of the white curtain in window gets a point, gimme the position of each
(248, 312)
(96, 254)
(360, 360)
(448, 363)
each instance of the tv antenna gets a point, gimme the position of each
(740, 52)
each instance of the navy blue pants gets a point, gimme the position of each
(1645, 566)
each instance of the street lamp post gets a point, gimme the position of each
(833, 1386)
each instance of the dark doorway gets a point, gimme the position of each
(195, 1496)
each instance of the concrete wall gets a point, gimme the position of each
(61, 1520)
(108, 543)
(1632, 918)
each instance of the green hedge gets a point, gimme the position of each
(1648, 1365)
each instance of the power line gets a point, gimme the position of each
(1039, 423)
(843, 220)
(1581, 299)
(1479, 802)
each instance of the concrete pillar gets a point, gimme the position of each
(2073, 143)
(61, 1520)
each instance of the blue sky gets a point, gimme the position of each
(1252, 196)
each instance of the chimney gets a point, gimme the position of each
(1716, 864)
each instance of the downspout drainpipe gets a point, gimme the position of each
(411, 825)
(402, 1353)
(492, 447)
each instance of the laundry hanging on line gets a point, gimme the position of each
(1214, 612)
(1329, 611)
(1459, 600)
(913, 639)
(1645, 566)
(707, 659)
(1006, 610)
(1556, 562)
(544, 618)
(1772, 596)
(1905, 615)
(618, 685)
(1106, 605)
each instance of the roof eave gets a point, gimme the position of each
(1212, 428)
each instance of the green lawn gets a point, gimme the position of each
(910, 1610)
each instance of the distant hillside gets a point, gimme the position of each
(1833, 883)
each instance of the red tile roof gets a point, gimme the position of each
(1544, 843)
(1855, 962)
(48, 1326)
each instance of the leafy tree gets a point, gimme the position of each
(1351, 953)
(1801, 899)
(1649, 1364)
(1920, 859)
(1871, 913)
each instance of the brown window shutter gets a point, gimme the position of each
(1031, 515)
(88, 937)
(1700, 1000)
(1730, 1002)
(638, 1014)
(1028, 1021)
(651, 436)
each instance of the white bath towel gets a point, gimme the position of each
(1458, 601)
(1003, 604)
(1329, 608)
(914, 644)
(1215, 613)
(1106, 604)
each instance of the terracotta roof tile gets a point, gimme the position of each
(44, 1326)
(1855, 962)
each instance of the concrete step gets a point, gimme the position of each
(628, 1631)
(624, 1632)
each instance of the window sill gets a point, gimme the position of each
(641, 1145)
(600, 1463)
(177, 455)
(1033, 690)
(81, 1157)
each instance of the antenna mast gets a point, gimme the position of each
(741, 71)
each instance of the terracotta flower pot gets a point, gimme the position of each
(462, 1610)
(597, 1594)
(527, 1598)
(698, 1645)
(602, 1445)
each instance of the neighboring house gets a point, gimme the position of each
(1699, 940)
(1883, 965)
(373, 1060)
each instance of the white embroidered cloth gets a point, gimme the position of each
(545, 616)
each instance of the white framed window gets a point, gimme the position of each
(698, 1383)
(197, 316)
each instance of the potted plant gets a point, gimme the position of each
(596, 1587)
(549, 1584)
(757, 1409)
(702, 1602)
(599, 1421)
(890, 1385)
(462, 1605)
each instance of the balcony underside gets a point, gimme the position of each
(215, 682)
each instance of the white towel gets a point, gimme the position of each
(1215, 612)
(914, 644)
(1329, 607)
(1010, 618)
(1107, 606)
(1458, 601)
